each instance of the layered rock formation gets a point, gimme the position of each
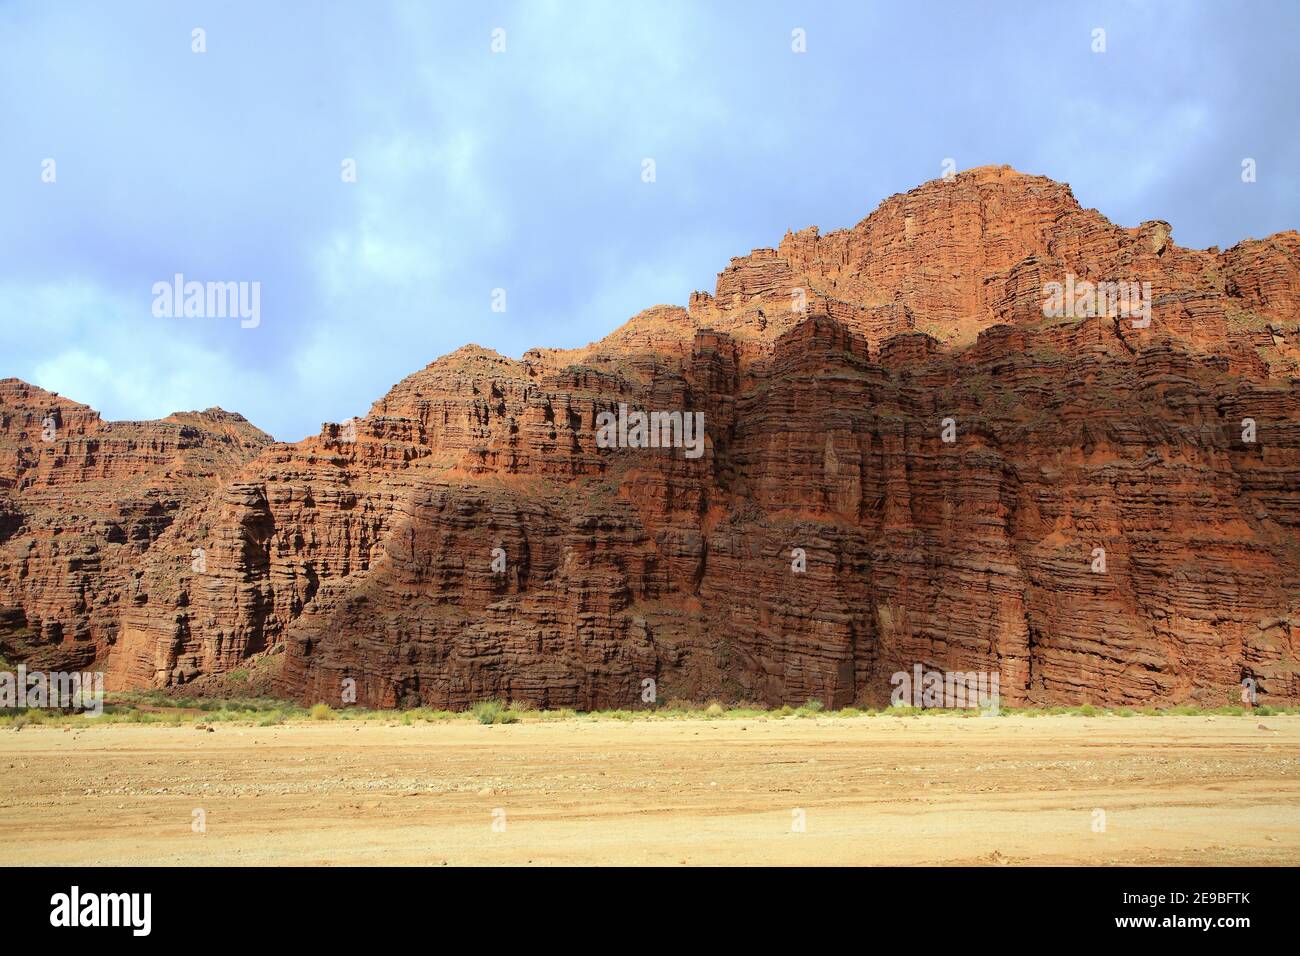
(81, 503)
(905, 463)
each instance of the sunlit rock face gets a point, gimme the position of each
(911, 455)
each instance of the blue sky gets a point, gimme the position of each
(522, 170)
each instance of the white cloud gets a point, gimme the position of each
(92, 346)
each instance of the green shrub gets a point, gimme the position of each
(322, 711)
(492, 712)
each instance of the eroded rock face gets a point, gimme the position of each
(82, 501)
(1113, 519)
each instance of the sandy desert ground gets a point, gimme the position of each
(872, 790)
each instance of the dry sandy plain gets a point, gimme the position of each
(873, 790)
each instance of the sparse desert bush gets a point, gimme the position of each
(418, 713)
(321, 711)
(492, 712)
(747, 710)
(170, 710)
(522, 706)
(679, 706)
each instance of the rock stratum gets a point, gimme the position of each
(469, 538)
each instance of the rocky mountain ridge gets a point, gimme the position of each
(906, 463)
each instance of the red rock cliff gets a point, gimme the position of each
(470, 538)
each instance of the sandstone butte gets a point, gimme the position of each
(371, 559)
